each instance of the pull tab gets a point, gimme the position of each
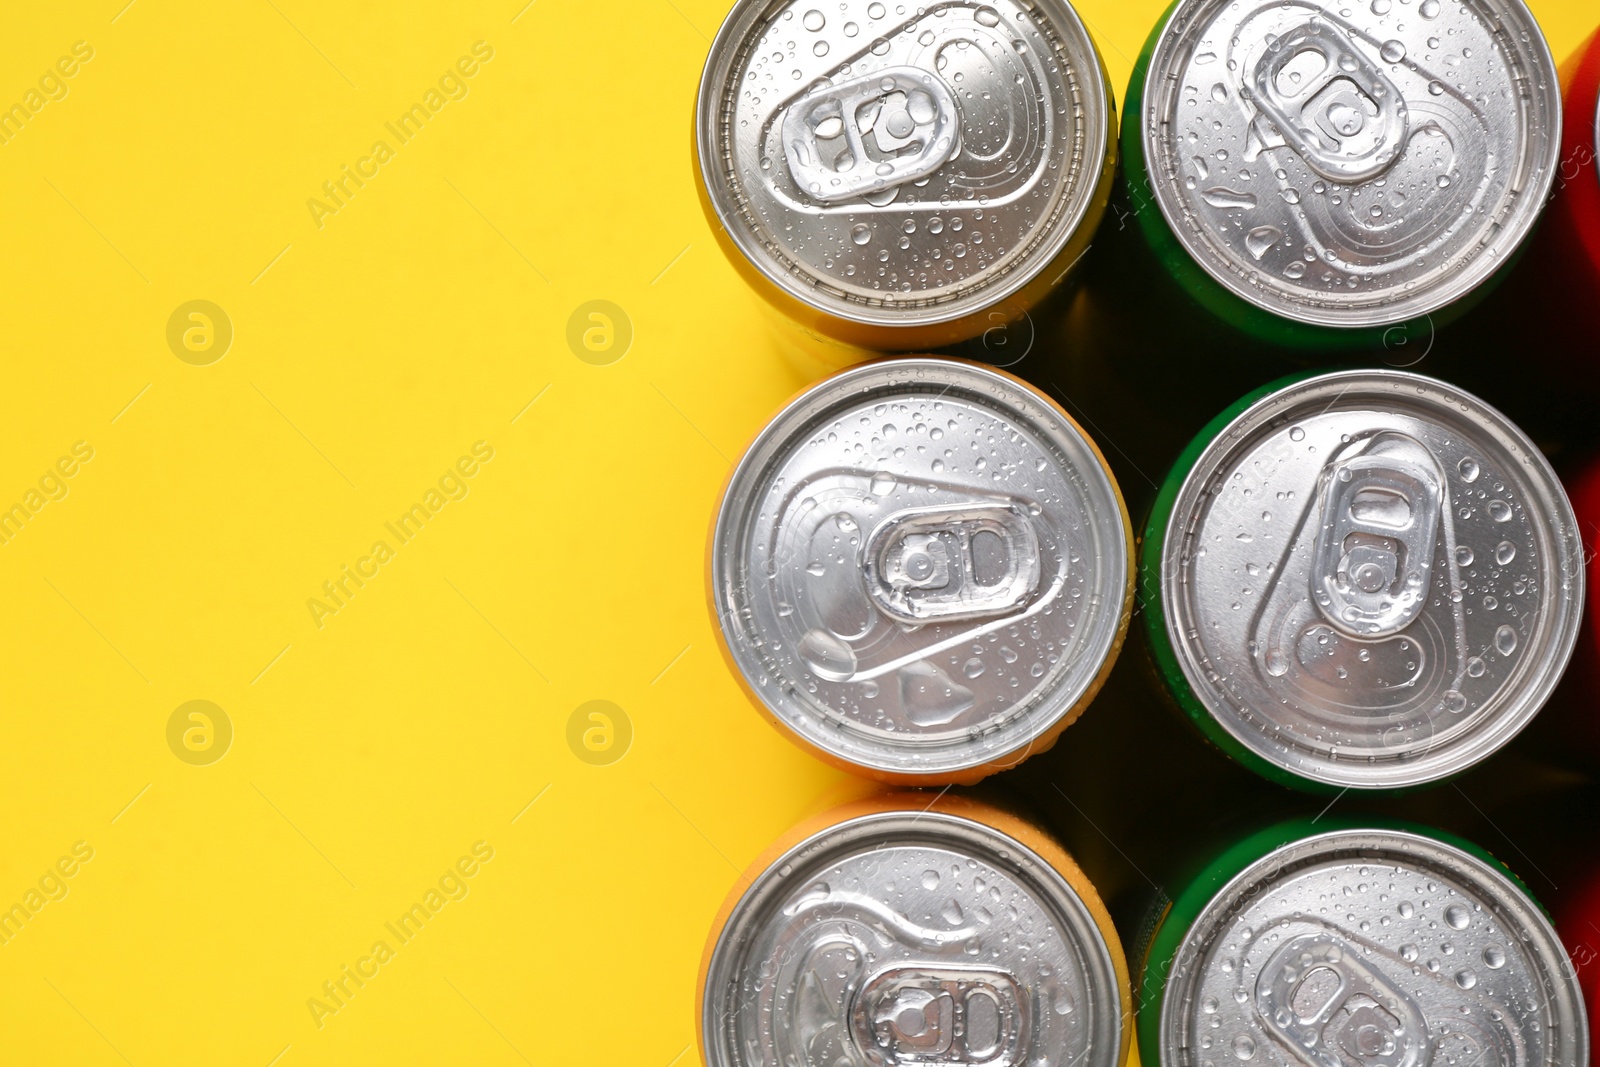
(952, 562)
(870, 133)
(1332, 104)
(1375, 548)
(1328, 1007)
(948, 1015)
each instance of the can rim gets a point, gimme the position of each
(1497, 885)
(814, 402)
(1564, 547)
(1526, 215)
(1098, 106)
(975, 825)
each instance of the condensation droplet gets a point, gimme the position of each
(1468, 468)
(1505, 552)
(1277, 663)
(1505, 640)
(1499, 510)
(1464, 556)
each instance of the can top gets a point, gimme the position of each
(1377, 948)
(1371, 579)
(1355, 164)
(920, 566)
(911, 939)
(902, 168)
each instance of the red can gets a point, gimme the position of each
(1578, 922)
(1575, 211)
(1566, 258)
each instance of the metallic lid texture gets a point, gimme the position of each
(1351, 163)
(913, 937)
(1371, 579)
(922, 567)
(893, 165)
(1378, 948)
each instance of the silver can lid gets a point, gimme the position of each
(1372, 948)
(911, 939)
(1372, 579)
(902, 165)
(1356, 163)
(920, 566)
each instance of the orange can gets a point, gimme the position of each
(908, 930)
(922, 570)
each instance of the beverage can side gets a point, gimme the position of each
(844, 312)
(1024, 832)
(1151, 552)
(972, 772)
(1174, 917)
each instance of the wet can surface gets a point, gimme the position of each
(922, 568)
(1363, 579)
(899, 932)
(1312, 173)
(904, 178)
(1361, 946)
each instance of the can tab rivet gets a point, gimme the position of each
(1374, 550)
(1320, 999)
(952, 562)
(944, 1015)
(870, 133)
(1331, 104)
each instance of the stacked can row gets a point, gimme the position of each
(1316, 176)
(904, 930)
(923, 569)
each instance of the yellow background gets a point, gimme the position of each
(368, 355)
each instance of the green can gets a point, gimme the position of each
(1355, 944)
(1316, 177)
(1363, 579)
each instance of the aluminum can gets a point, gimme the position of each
(897, 177)
(1357, 946)
(1361, 579)
(922, 570)
(907, 932)
(1315, 175)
